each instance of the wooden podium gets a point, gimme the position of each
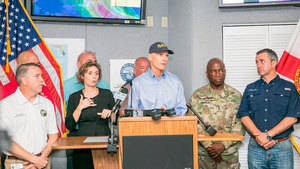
(143, 126)
(166, 126)
(101, 159)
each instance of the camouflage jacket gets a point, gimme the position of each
(218, 109)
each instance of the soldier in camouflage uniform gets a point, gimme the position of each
(218, 104)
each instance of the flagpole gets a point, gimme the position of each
(8, 49)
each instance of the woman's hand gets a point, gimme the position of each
(105, 113)
(85, 102)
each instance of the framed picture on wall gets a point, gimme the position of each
(66, 52)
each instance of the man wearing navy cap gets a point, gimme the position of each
(158, 88)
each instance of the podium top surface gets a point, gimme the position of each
(221, 137)
(164, 118)
(77, 143)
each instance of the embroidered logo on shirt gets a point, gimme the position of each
(19, 115)
(287, 89)
(43, 113)
(252, 90)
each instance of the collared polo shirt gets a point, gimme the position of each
(28, 123)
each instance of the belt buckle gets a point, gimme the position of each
(16, 166)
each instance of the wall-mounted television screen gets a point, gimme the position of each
(245, 3)
(99, 11)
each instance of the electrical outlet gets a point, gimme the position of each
(164, 21)
(150, 21)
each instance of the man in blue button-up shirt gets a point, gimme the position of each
(157, 88)
(269, 108)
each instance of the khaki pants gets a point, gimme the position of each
(9, 162)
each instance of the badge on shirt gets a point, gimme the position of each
(43, 113)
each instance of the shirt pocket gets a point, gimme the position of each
(253, 98)
(280, 101)
(19, 120)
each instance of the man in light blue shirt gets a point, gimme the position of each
(72, 85)
(157, 88)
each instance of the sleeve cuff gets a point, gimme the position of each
(242, 114)
(205, 144)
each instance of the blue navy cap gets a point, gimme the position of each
(159, 47)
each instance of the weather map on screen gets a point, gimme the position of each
(104, 9)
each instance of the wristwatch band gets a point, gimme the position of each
(269, 137)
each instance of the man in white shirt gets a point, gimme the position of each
(30, 121)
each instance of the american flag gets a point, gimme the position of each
(24, 36)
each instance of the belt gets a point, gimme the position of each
(12, 158)
(16, 158)
(282, 139)
(278, 140)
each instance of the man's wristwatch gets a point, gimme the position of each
(269, 137)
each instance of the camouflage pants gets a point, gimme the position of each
(228, 162)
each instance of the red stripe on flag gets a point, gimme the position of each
(8, 89)
(10, 74)
(54, 64)
(11, 86)
(288, 65)
(53, 93)
(58, 101)
(1, 90)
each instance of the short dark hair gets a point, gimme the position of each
(212, 61)
(271, 54)
(23, 69)
(83, 69)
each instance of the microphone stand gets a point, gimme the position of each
(113, 138)
(208, 128)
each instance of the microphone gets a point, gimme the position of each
(128, 82)
(120, 96)
(209, 129)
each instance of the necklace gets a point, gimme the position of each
(90, 94)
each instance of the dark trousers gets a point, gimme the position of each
(69, 159)
(3, 156)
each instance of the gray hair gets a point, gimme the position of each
(84, 53)
(271, 54)
(22, 71)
